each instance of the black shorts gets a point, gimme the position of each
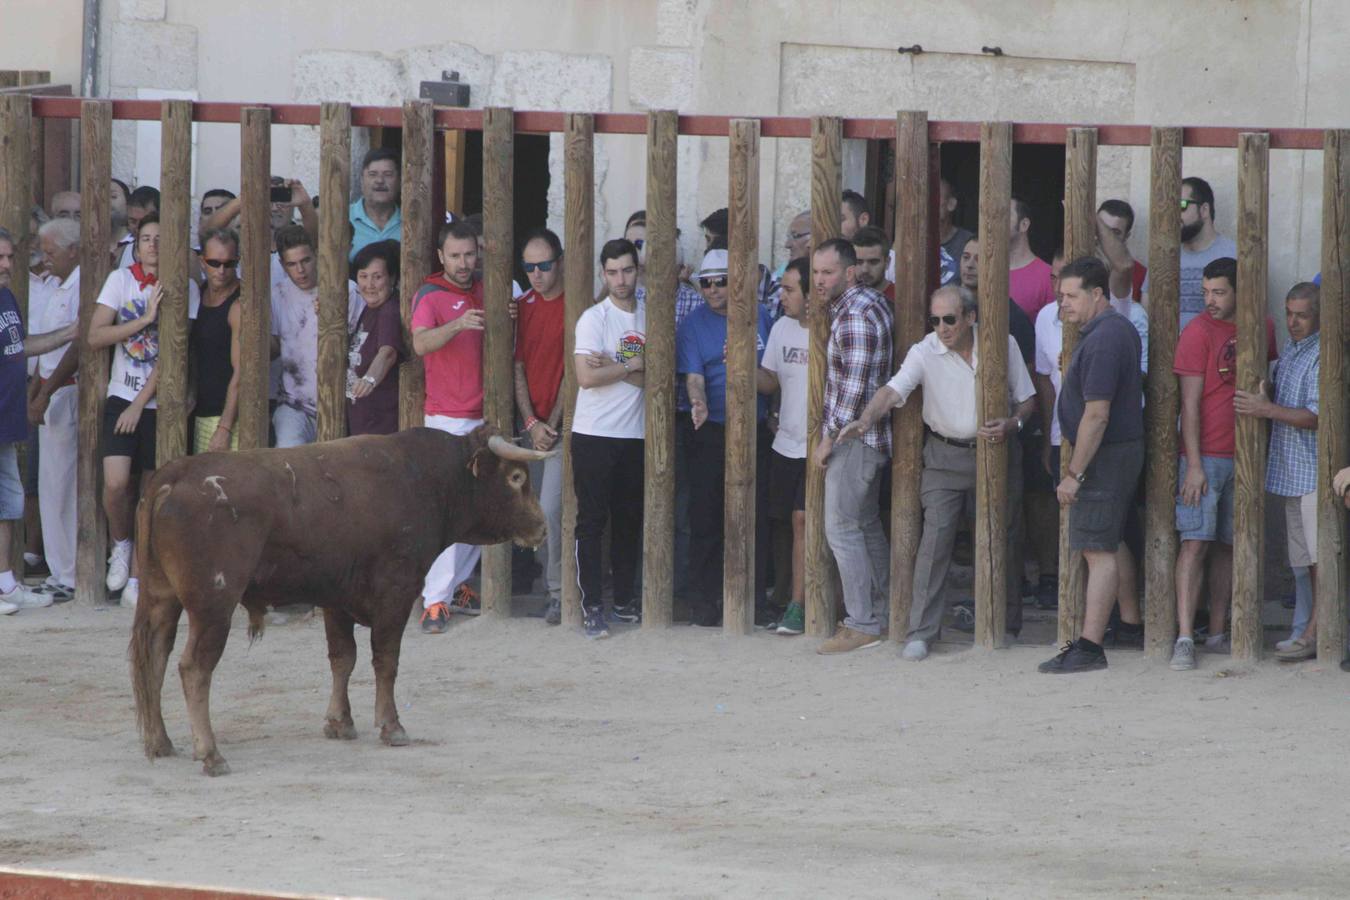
(787, 485)
(139, 444)
(1097, 518)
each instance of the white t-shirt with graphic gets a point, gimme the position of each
(134, 359)
(615, 410)
(295, 322)
(785, 355)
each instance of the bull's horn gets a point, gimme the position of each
(507, 450)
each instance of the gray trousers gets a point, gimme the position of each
(948, 482)
(853, 530)
(547, 477)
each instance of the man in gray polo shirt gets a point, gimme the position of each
(1101, 413)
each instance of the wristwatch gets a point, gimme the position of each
(1079, 477)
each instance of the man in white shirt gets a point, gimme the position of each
(295, 320)
(783, 369)
(53, 402)
(127, 316)
(944, 364)
(607, 435)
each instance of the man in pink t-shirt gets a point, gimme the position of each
(1206, 364)
(447, 333)
(1029, 281)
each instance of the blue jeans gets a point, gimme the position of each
(11, 486)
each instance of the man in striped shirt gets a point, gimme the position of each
(859, 364)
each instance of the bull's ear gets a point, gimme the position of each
(481, 460)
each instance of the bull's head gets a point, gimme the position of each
(505, 509)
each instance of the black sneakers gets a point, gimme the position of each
(1074, 658)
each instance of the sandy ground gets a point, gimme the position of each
(681, 763)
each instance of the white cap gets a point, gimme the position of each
(714, 264)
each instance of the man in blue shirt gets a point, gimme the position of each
(376, 216)
(701, 351)
(1291, 471)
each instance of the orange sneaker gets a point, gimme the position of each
(435, 618)
(466, 602)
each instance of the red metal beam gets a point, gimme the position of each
(697, 126)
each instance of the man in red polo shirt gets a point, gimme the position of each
(447, 332)
(539, 372)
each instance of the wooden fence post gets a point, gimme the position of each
(335, 176)
(826, 190)
(415, 262)
(658, 523)
(16, 207)
(578, 291)
(498, 334)
(911, 305)
(742, 399)
(255, 251)
(91, 561)
(1163, 406)
(175, 243)
(1331, 417)
(991, 460)
(1080, 239)
(1249, 456)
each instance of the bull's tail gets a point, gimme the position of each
(153, 629)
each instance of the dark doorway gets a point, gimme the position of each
(529, 184)
(1037, 177)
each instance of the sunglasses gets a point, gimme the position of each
(798, 235)
(640, 243)
(948, 319)
(1187, 202)
(545, 266)
(220, 263)
(712, 282)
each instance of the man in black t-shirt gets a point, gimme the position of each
(1101, 414)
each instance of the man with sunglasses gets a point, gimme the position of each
(700, 346)
(539, 372)
(945, 364)
(1201, 244)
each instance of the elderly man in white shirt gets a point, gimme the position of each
(944, 364)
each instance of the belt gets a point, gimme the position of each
(955, 442)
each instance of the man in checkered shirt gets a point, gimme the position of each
(859, 364)
(1291, 471)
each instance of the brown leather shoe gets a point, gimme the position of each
(846, 640)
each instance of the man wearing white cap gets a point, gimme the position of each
(700, 346)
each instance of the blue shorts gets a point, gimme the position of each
(11, 487)
(1212, 519)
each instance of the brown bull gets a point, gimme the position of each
(349, 525)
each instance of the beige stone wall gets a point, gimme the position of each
(1232, 62)
(42, 35)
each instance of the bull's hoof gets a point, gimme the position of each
(339, 731)
(215, 765)
(394, 737)
(159, 748)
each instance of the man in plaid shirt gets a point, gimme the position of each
(859, 364)
(1291, 471)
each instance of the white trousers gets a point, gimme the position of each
(58, 450)
(455, 564)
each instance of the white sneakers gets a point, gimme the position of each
(119, 565)
(22, 598)
(131, 593)
(915, 650)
